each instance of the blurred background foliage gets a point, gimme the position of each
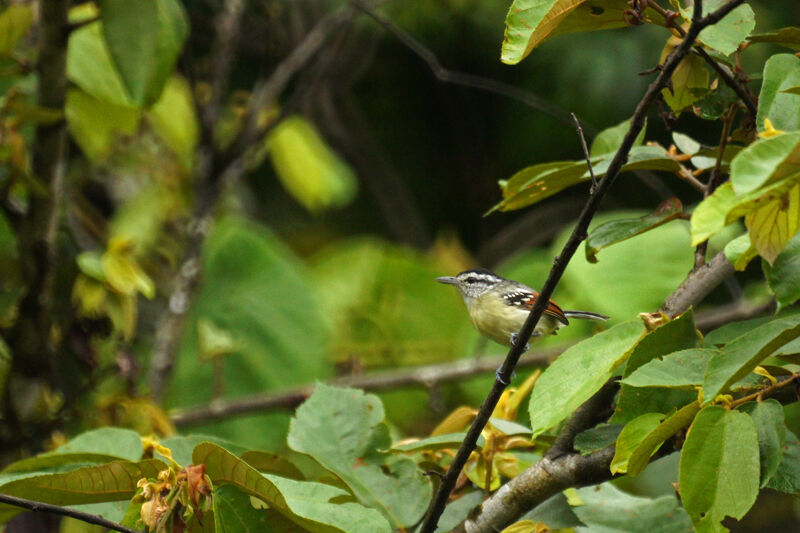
(322, 261)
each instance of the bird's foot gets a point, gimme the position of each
(499, 376)
(515, 337)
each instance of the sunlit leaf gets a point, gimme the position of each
(353, 429)
(96, 124)
(788, 37)
(619, 230)
(640, 456)
(740, 251)
(680, 369)
(781, 71)
(722, 445)
(308, 168)
(90, 67)
(15, 21)
(173, 119)
(578, 373)
(773, 224)
(631, 437)
(740, 356)
(727, 34)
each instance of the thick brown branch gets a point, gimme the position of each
(697, 285)
(596, 409)
(578, 235)
(65, 511)
(425, 376)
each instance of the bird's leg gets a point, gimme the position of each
(513, 339)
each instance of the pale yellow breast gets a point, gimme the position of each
(497, 320)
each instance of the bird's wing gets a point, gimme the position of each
(525, 298)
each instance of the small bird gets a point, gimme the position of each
(499, 307)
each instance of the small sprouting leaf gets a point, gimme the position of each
(15, 21)
(740, 251)
(788, 37)
(783, 276)
(343, 430)
(781, 71)
(631, 437)
(618, 230)
(578, 373)
(773, 225)
(681, 369)
(722, 445)
(741, 355)
(769, 421)
(609, 140)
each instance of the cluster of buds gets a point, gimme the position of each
(179, 497)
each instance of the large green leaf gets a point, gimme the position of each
(788, 37)
(609, 140)
(343, 430)
(96, 124)
(81, 484)
(533, 184)
(90, 67)
(307, 504)
(233, 513)
(258, 292)
(173, 119)
(619, 230)
(722, 446)
(578, 373)
(145, 40)
(769, 421)
(783, 276)
(781, 71)
(15, 21)
(766, 161)
(727, 34)
(773, 224)
(681, 369)
(529, 22)
(606, 509)
(740, 356)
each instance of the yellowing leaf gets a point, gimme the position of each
(526, 526)
(772, 226)
(14, 24)
(455, 421)
(123, 273)
(689, 81)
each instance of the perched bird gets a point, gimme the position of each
(499, 307)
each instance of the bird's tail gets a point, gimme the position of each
(585, 314)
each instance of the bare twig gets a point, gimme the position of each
(425, 376)
(578, 235)
(767, 391)
(215, 173)
(585, 151)
(725, 314)
(65, 511)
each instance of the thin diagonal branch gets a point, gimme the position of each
(578, 235)
(427, 376)
(65, 511)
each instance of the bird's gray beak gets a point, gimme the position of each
(449, 280)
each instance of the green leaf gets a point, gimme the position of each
(173, 119)
(307, 504)
(272, 463)
(529, 22)
(308, 168)
(90, 67)
(597, 438)
(233, 513)
(578, 373)
(182, 446)
(721, 446)
(788, 37)
(641, 454)
(769, 421)
(343, 430)
(787, 477)
(145, 40)
(609, 140)
(781, 71)
(619, 230)
(437, 442)
(727, 34)
(534, 184)
(774, 223)
(681, 369)
(87, 484)
(689, 82)
(96, 124)
(116, 442)
(783, 276)
(458, 510)
(766, 161)
(257, 290)
(631, 438)
(740, 356)
(606, 509)
(15, 21)
(740, 251)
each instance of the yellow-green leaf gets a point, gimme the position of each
(773, 225)
(689, 81)
(15, 22)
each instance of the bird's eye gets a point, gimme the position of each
(471, 280)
